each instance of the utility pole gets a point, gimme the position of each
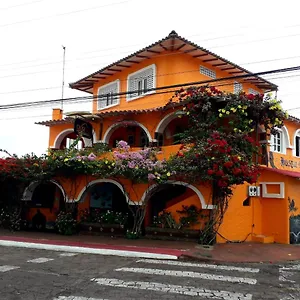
(63, 77)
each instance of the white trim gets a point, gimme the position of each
(59, 138)
(153, 66)
(105, 86)
(28, 191)
(265, 193)
(198, 193)
(285, 143)
(87, 250)
(165, 121)
(297, 133)
(113, 127)
(91, 183)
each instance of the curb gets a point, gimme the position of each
(95, 250)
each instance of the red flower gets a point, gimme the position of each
(236, 171)
(180, 154)
(250, 96)
(220, 173)
(210, 172)
(228, 164)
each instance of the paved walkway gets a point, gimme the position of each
(244, 252)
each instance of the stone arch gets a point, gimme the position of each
(286, 137)
(90, 184)
(113, 127)
(28, 191)
(166, 120)
(192, 187)
(59, 138)
(297, 133)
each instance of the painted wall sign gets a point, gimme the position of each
(289, 163)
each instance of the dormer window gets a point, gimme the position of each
(141, 83)
(108, 95)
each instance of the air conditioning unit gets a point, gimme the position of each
(253, 191)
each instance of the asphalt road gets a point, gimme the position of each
(27, 274)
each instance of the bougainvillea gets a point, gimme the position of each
(220, 145)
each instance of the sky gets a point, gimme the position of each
(257, 35)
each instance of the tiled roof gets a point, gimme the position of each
(173, 42)
(56, 122)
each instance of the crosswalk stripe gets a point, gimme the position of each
(206, 266)
(40, 260)
(67, 254)
(189, 274)
(175, 289)
(8, 268)
(76, 298)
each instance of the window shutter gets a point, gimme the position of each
(297, 146)
(108, 95)
(146, 80)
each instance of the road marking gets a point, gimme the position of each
(175, 289)
(40, 260)
(8, 268)
(86, 250)
(67, 254)
(206, 266)
(189, 274)
(76, 298)
(287, 272)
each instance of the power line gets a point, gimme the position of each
(22, 4)
(62, 14)
(179, 43)
(35, 103)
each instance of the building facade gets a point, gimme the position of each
(131, 103)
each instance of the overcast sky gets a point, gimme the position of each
(257, 35)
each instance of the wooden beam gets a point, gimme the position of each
(132, 61)
(122, 66)
(153, 51)
(220, 64)
(142, 56)
(114, 70)
(191, 50)
(163, 47)
(236, 72)
(181, 46)
(211, 59)
(228, 68)
(200, 55)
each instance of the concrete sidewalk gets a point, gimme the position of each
(244, 252)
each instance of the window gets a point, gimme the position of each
(277, 142)
(140, 83)
(237, 87)
(297, 146)
(208, 72)
(108, 95)
(70, 142)
(252, 91)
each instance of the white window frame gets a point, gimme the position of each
(135, 74)
(239, 89)
(208, 72)
(274, 142)
(70, 142)
(104, 87)
(296, 135)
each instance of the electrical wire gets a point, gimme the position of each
(37, 103)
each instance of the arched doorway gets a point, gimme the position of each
(101, 197)
(42, 203)
(175, 198)
(169, 129)
(134, 133)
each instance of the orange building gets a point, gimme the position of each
(131, 103)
